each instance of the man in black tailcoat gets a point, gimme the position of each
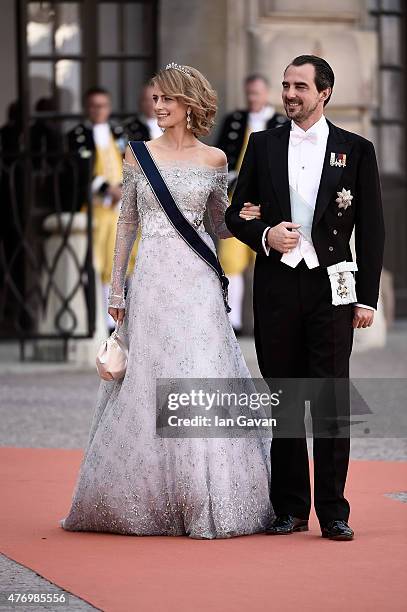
(315, 183)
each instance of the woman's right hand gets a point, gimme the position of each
(117, 314)
(250, 211)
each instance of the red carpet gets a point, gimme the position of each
(153, 574)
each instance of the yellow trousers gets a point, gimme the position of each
(104, 239)
(235, 256)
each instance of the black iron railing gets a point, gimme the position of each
(39, 221)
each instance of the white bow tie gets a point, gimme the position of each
(296, 137)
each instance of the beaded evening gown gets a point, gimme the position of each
(131, 481)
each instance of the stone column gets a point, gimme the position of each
(194, 33)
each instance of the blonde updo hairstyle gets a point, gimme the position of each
(195, 91)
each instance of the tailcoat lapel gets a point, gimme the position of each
(331, 175)
(277, 149)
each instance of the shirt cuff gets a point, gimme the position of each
(99, 183)
(364, 306)
(266, 247)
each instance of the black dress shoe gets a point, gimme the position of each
(284, 524)
(337, 530)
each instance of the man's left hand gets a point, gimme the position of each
(362, 317)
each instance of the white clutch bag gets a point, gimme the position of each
(111, 359)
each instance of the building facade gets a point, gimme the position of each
(60, 49)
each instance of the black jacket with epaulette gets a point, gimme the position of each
(231, 136)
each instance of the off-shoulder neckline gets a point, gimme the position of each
(181, 163)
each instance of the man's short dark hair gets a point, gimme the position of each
(324, 75)
(94, 91)
(256, 76)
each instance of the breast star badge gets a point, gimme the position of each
(344, 198)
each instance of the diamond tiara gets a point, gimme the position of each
(178, 67)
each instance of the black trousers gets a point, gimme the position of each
(300, 334)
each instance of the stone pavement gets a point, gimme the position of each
(51, 405)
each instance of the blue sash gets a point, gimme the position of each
(174, 214)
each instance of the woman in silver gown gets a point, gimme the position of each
(174, 321)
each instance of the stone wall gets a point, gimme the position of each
(194, 33)
(277, 31)
(226, 39)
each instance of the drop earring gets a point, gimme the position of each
(189, 119)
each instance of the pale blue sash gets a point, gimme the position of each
(302, 213)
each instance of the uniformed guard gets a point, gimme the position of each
(237, 126)
(99, 138)
(143, 125)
